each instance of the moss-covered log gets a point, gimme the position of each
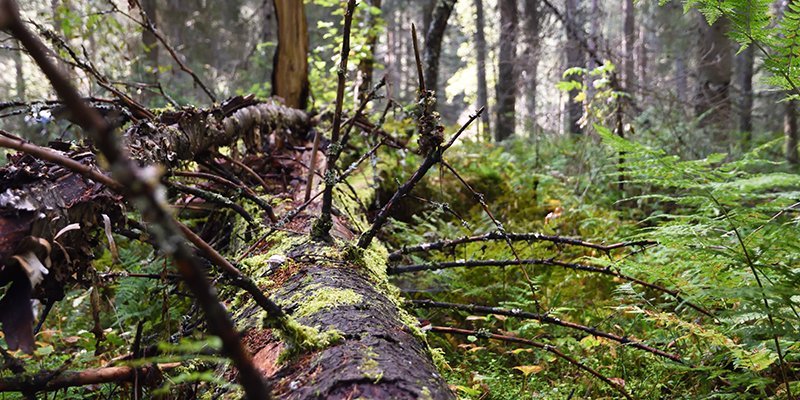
(359, 342)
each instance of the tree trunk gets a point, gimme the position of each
(367, 65)
(433, 42)
(790, 131)
(574, 58)
(681, 78)
(506, 88)
(480, 54)
(150, 44)
(746, 60)
(531, 57)
(20, 73)
(628, 39)
(714, 70)
(290, 65)
(364, 343)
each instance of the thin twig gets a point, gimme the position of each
(432, 158)
(323, 225)
(517, 237)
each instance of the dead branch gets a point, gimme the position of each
(323, 225)
(49, 381)
(548, 262)
(544, 318)
(143, 191)
(546, 347)
(432, 158)
(517, 237)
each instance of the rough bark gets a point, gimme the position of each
(433, 42)
(480, 55)
(506, 88)
(331, 290)
(790, 131)
(745, 61)
(574, 58)
(714, 72)
(290, 65)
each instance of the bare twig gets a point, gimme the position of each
(433, 157)
(517, 237)
(544, 318)
(323, 225)
(546, 347)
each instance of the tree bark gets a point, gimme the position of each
(629, 39)
(364, 343)
(531, 57)
(790, 131)
(150, 43)
(506, 88)
(574, 58)
(367, 65)
(714, 71)
(433, 43)
(20, 73)
(290, 65)
(746, 60)
(480, 55)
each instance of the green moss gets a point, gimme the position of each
(370, 366)
(425, 394)
(317, 298)
(305, 338)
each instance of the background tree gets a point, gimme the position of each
(506, 88)
(290, 70)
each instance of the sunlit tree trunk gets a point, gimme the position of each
(506, 88)
(480, 54)
(290, 66)
(575, 58)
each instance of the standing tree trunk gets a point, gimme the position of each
(714, 70)
(746, 60)
(531, 57)
(628, 39)
(290, 65)
(433, 42)
(506, 88)
(150, 44)
(480, 54)
(367, 65)
(790, 131)
(20, 73)
(575, 58)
